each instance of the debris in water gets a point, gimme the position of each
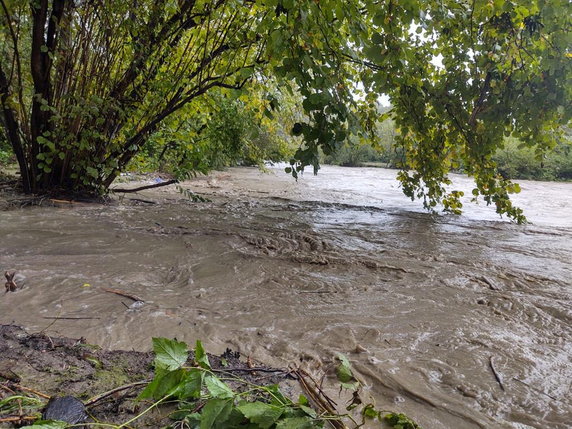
(11, 285)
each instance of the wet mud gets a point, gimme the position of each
(460, 322)
(81, 377)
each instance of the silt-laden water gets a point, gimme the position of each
(295, 272)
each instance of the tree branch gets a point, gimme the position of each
(142, 188)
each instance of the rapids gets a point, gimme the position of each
(294, 272)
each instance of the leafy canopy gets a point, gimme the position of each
(85, 84)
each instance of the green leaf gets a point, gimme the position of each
(217, 388)
(400, 421)
(169, 383)
(370, 412)
(344, 371)
(201, 357)
(296, 423)
(163, 385)
(215, 413)
(191, 385)
(169, 354)
(311, 412)
(92, 172)
(265, 415)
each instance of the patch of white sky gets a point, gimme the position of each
(383, 99)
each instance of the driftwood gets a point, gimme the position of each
(142, 188)
(537, 390)
(70, 318)
(11, 285)
(98, 398)
(18, 419)
(496, 374)
(123, 294)
(17, 386)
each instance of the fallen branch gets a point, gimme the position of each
(17, 419)
(254, 369)
(142, 188)
(537, 390)
(496, 374)
(320, 391)
(139, 200)
(489, 283)
(98, 398)
(56, 201)
(318, 398)
(123, 294)
(70, 318)
(27, 389)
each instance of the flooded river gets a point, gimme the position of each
(293, 272)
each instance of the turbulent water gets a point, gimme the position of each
(425, 306)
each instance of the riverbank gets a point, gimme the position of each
(35, 367)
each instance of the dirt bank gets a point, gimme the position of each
(40, 366)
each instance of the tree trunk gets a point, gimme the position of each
(12, 132)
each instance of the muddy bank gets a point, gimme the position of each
(41, 366)
(296, 272)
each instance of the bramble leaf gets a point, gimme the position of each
(215, 413)
(265, 415)
(217, 388)
(169, 354)
(201, 358)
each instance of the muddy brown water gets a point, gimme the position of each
(295, 272)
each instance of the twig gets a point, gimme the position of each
(54, 200)
(9, 375)
(496, 374)
(27, 389)
(7, 388)
(142, 188)
(70, 318)
(123, 294)
(489, 282)
(17, 419)
(139, 200)
(51, 341)
(319, 388)
(317, 398)
(98, 398)
(252, 370)
(536, 390)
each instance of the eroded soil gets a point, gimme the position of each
(40, 366)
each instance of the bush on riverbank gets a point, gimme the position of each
(516, 162)
(513, 161)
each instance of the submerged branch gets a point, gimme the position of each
(142, 188)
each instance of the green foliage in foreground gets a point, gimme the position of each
(205, 400)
